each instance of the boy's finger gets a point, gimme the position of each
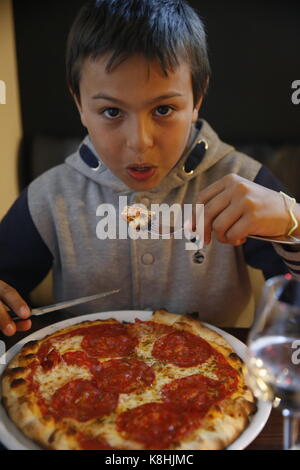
(241, 241)
(225, 221)
(238, 232)
(7, 326)
(12, 298)
(24, 325)
(226, 183)
(214, 210)
(208, 193)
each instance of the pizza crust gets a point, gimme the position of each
(232, 417)
(222, 425)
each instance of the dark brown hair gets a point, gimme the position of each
(165, 30)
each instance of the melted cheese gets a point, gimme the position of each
(164, 374)
(73, 343)
(50, 381)
(61, 374)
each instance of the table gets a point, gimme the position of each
(269, 439)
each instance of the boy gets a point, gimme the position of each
(138, 71)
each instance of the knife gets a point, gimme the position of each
(61, 305)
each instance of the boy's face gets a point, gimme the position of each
(138, 133)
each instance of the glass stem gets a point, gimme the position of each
(290, 429)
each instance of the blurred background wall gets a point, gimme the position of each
(254, 49)
(10, 120)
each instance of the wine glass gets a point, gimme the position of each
(273, 358)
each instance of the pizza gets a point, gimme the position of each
(167, 383)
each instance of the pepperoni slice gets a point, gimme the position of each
(109, 340)
(195, 392)
(48, 356)
(156, 425)
(82, 400)
(79, 358)
(182, 349)
(141, 328)
(104, 327)
(123, 375)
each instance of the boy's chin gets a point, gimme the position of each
(141, 185)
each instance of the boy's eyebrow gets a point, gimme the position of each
(154, 100)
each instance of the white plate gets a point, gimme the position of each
(13, 439)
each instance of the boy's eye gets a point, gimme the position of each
(111, 113)
(164, 110)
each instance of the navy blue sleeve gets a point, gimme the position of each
(259, 254)
(24, 257)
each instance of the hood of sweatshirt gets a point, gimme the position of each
(204, 147)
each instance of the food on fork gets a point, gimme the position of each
(137, 216)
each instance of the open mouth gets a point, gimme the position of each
(141, 173)
(144, 168)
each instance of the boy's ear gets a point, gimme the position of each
(78, 106)
(197, 109)
(199, 104)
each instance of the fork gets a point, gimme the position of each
(166, 231)
(285, 239)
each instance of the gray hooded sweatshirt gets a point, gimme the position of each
(151, 274)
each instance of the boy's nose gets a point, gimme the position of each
(139, 137)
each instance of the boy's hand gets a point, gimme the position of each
(10, 299)
(235, 207)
